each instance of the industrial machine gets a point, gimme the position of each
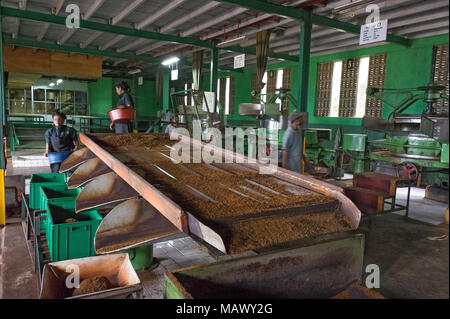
(271, 116)
(228, 207)
(416, 145)
(318, 155)
(203, 109)
(214, 203)
(356, 147)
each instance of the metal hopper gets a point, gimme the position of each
(76, 159)
(86, 172)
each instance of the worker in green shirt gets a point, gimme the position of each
(60, 138)
(125, 101)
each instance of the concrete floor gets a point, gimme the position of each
(413, 262)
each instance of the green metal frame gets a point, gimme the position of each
(2, 107)
(300, 14)
(71, 48)
(15, 139)
(85, 24)
(305, 51)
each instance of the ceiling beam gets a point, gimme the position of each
(76, 49)
(177, 22)
(130, 8)
(396, 26)
(198, 28)
(299, 14)
(22, 5)
(220, 19)
(54, 11)
(90, 51)
(85, 24)
(157, 15)
(97, 4)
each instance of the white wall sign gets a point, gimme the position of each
(239, 61)
(174, 75)
(140, 80)
(373, 32)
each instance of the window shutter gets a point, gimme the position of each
(349, 82)
(377, 71)
(271, 81)
(232, 94)
(286, 78)
(323, 89)
(440, 75)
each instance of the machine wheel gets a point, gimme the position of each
(408, 170)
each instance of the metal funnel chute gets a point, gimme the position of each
(130, 224)
(86, 172)
(105, 189)
(76, 159)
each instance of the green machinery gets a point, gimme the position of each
(319, 155)
(354, 146)
(415, 145)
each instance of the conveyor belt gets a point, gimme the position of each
(224, 204)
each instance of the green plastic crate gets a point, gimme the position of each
(55, 194)
(43, 180)
(70, 240)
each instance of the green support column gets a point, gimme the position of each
(136, 99)
(166, 89)
(214, 72)
(2, 144)
(305, 49)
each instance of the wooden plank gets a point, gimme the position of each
(26, 60)
(76, 65)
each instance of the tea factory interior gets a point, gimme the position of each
(347, 102)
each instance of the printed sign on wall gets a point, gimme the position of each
(239, 61)
(373, 32)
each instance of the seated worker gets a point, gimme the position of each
(173, 124)
(292, 149)
(125, 101)
(60, 138)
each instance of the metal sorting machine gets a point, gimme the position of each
(416, 145)
(229, 207)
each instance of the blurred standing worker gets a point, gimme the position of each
(292, 149)
(125, 101)
(216, 133)
(60, 138)
(173, 124)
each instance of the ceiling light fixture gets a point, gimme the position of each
(135, 71)
(231, 41)
(170, 61)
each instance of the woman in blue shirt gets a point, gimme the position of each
(60, 138)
